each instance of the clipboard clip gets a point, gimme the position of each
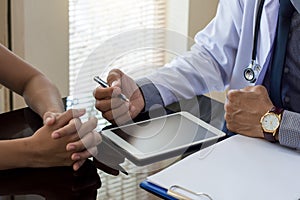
(182, 193)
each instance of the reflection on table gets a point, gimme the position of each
(63, 183)
(51, 183)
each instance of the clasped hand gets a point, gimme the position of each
(64, 140)
(244, 109)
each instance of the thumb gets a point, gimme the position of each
(114, 77)
(49, 118)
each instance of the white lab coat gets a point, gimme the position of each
(221, 52)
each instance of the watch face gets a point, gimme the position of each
(270, 122)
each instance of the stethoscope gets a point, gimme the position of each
(252, 70)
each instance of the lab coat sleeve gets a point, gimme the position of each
(208, 65)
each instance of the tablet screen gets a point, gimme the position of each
(163, 133)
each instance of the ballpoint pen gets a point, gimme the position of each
(105, 85)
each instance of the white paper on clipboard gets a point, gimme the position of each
(237, 168)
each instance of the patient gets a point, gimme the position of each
(46, 147)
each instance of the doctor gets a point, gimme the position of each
(216, 62)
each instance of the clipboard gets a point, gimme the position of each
(236, 168)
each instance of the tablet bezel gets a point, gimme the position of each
(139, 158)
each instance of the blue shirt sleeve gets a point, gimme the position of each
(151, 94)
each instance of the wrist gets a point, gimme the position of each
(33, 154)
(25, 148)
(150, 94)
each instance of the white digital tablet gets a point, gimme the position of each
(160, 138)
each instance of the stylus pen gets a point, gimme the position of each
(121, 169)
(105, 85)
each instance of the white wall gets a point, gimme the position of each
(200, 14)
(40, 36)
(187, 17)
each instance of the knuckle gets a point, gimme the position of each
(229, 126)
(77, 123)
(116, 71)
(96, 92)
(93, 122)
(232, 94)
(226, 117)
(261, 89)
(100, 105)
(97, 137)
(227, 106)
(107, 115)
(71, 111)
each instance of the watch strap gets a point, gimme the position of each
(276, 110)
(269, 137)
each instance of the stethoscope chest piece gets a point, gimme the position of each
(251, 72)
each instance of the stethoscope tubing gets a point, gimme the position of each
(252, 70)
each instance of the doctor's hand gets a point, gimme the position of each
(244, 109)
(113, 108)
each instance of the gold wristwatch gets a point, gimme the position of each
(270, 123)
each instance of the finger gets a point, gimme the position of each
(49, 118)
(103, 105)
(117, 111)
(88, 141)
(234, 96)
(83, 155)
(229, 107)
(65, 117)
(114, 77)
(227, 117)
(116, 83)
(88, 127)
(85, 130)
(125, 118)
(109, 104)
(78, 164)
(101, 93)
(71, 128)
(91, 140)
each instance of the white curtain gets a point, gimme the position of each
(112, 33)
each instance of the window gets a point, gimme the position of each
(95, 25)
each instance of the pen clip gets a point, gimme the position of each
(185, 194)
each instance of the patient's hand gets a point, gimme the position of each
(65, 142)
